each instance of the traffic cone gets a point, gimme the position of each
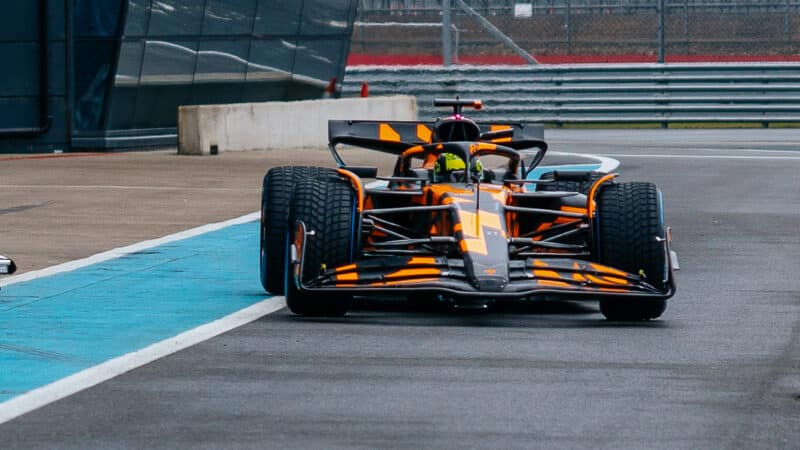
(330, 88)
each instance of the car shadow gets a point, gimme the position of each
(540, 314)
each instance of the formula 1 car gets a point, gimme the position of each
(444, 226)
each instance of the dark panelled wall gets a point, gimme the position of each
(125, 66)
(33, 85)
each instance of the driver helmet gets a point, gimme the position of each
(450, 167)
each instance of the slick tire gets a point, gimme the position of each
(631, 221)
(327, 207)
(582, 187)
(276, 193)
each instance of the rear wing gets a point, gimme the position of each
(395, 137)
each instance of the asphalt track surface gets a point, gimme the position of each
(720, 370)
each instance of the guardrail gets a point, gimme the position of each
(637, 93)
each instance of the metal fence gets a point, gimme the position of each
(622, 28)
(509, 7)
(562, 94)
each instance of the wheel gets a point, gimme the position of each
(275, 195)
(328, 208)
(582, 187)
(631, 223)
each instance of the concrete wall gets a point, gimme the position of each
(279, 125)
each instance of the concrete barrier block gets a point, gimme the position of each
(279, 125)
(188, 130)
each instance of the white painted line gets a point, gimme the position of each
(120, 187)
(748, 157)
(737, 150)
(92, 376)
(122, 251)
(717, 145)
(607, 164)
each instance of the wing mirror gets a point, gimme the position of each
(530, 159)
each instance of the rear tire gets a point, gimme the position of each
(631, 219)
(276, 193)
(328, 208)
(582, 187)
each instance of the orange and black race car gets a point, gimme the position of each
(447, 227)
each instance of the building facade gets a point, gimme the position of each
(106, 74)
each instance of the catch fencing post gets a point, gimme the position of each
(661, 14)
(446, 22)
(569, 27)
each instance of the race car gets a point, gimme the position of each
(449, 226)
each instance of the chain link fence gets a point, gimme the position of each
(586, 30)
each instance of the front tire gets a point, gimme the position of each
(327, 207)
(631, 223)
(276, 193)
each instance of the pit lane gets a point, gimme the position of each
(721, 370)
